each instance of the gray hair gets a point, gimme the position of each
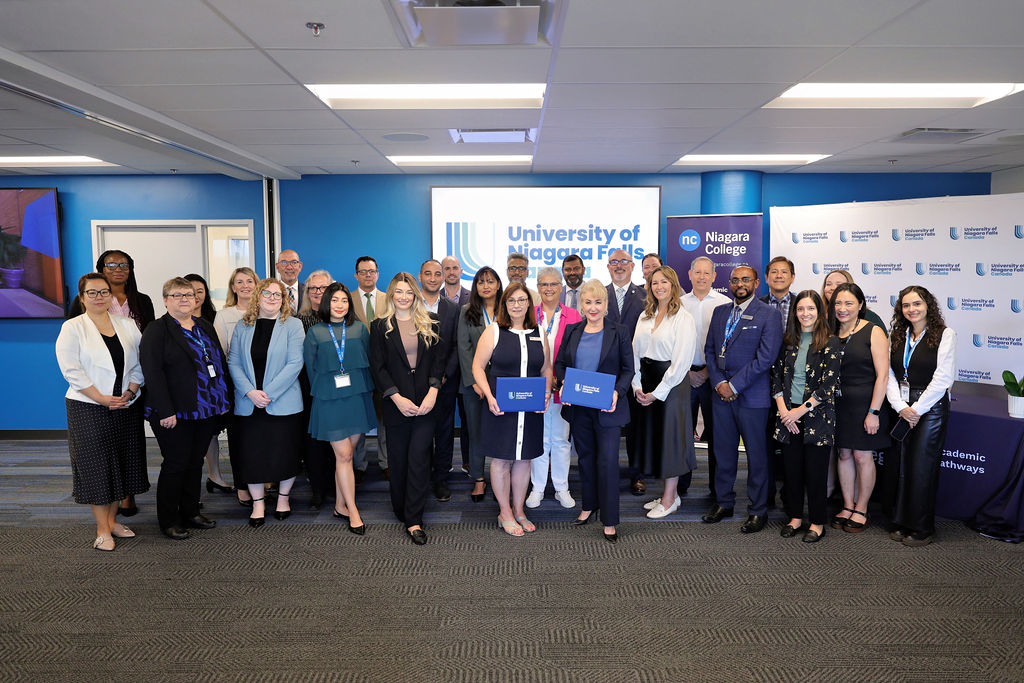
(549, 271)
(703, 258)
(305, 308)
(517, 256)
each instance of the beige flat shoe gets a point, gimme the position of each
(103, 543)
(121, 531)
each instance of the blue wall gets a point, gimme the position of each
(28, 365)
(330, 220)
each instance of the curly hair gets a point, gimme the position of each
(821, 332)
(420, 315)
(253, 312)
(674, 304)
(933, 319)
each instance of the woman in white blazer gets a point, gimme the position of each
(98, 354)
(264, 360)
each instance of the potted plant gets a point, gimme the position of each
(12, 254)
(1015, 391)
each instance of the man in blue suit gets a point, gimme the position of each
(743, 343)
(626, 302)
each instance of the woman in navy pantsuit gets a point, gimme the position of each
(598, 345)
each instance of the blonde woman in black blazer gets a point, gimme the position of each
(407, 360)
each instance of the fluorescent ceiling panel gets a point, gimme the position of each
(749, 159)
(431, 96)
(892, 95)
(463, 160)
(47, 161)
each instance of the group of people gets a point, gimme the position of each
(298, 373)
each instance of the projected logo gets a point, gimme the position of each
(796, 238)
(1018, 232)
(951, 303)
(689, 240)
(1015, 305)
(461, 246)
(979, 268)
(844, 236)
(895, 234)
(954, 233)
(919, 268)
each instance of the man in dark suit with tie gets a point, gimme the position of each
(625, 304)
(572, 272)
(742, 344)
(289, 265)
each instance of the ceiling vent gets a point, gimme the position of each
(446, 23)
(941, 136)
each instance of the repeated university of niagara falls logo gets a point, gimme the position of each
(895, 234)
(461, 245)
(954, 233)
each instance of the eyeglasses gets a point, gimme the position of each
(619, 262)
(744, 280)
(178, 296)
(97, 293)
(111, 265)
(317, 290)
(542, 285)
(273, 296)
(517, 301)
(366, 271)
(517, 269)
(288, 263)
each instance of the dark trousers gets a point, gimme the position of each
(320, 460)
(805, 468)
(444, 432)
(180, 481)
(460, 401)
(475, 406)
(634, 469)
(597, 450)
(409, 446)
(234, 452)
(700, 397)
(733, 421)
(911, 474)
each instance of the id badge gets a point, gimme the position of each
(720, 362)
(342, 380)
(211, 370)
(905, 391)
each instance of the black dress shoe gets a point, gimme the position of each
(358, 530)
(200, 522)
(442, 492)
(212, 486)
(477, 497)
(637, 487)
(753, 524)
(316, 501)
(716, 514)
(418, 536)
(244, 503)
(128, 511)
(813, 536)
(581, 522)
(176, 533)
(257, 522)
(789, 531)
(339, 515)
(612, 537)
(282, 514)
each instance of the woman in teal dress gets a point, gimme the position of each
(337, 360)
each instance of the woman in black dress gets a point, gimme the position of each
(862, 415)
(922, 367)
(513, 347)
(265, 360)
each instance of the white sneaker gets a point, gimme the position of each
(565, 499)
(660, 511)
(533, 500)
(651, 504)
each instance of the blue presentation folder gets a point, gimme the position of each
(520, 394)
(590, 389)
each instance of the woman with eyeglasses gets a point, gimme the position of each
(407, 358)
(512, 346)
(188, 394)
(474, 318)
(312, 294)
(265, 360)
(98, 354)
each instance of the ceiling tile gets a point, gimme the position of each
(660, 95)
(924, 65)
(167, 98)
(235, 120)
(405, 119)
(277, 24)
(954, 22)
(641, 118)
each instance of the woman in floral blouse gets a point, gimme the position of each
(804, 382)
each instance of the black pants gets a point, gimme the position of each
(463, 431)
(320, 461)
(444, 432)
(178, 487)
(409, 448)
(597, 450)
(700, 397)
(234, 452)
(911, 474)
(805, 469)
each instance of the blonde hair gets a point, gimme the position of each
(651, 309)
(253, 312)
(421, 319)
(232, 299)
(595, 289)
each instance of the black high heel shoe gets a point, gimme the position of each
(257, 522)
(477, 497)
(282, 514)
(582, 522)
(243, 503)
(212, 486)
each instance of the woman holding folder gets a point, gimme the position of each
(513, 347)
(597, 345)
(663, 346)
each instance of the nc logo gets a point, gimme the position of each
(895, 234)
(689, 240)
(842, 236)
(1018, 232)
(865, 268)
(977, 341)
(892, 300)
(816, 269)
(1015, 305)
(796, 238)
(951, 303)
(919, 268)
(954, 233)
(979, 268)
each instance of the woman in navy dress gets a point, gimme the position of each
(514, 347)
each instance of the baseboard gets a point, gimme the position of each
(33, 434)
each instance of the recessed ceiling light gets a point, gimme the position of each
(492, 136)
(41, 161)
(463, 160)
(891, 95)
(431, 96)
(749, 159)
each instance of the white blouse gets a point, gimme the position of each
(675, 340)
(225, 323)
(85, 361)
(942, 379)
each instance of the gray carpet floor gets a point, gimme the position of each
(306, 600)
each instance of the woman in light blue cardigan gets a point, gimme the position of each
(265, 359)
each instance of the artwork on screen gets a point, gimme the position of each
(482, 225)
(31, 276)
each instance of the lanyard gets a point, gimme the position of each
(908, 351)
(198, 340)
(730, 326)
(487, 318)
(551, 323)
(339, 349)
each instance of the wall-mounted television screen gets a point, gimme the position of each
(31, 276)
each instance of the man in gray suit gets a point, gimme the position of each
(453, 289)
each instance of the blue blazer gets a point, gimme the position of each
(281, 377)
(632, 306)
(751, 352)
(616, 359)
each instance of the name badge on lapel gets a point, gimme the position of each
(342, 380)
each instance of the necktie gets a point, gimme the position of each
(573, 296)
(620, 295)
(369, 306)
(291, 297)
(735, 315)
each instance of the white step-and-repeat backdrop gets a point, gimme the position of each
(967, 251)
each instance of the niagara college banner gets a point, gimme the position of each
(728, 240)
(967, 251)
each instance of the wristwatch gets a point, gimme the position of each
(872, 411)
(808, 405)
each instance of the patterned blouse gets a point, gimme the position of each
(213, 396)
(822, 380)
